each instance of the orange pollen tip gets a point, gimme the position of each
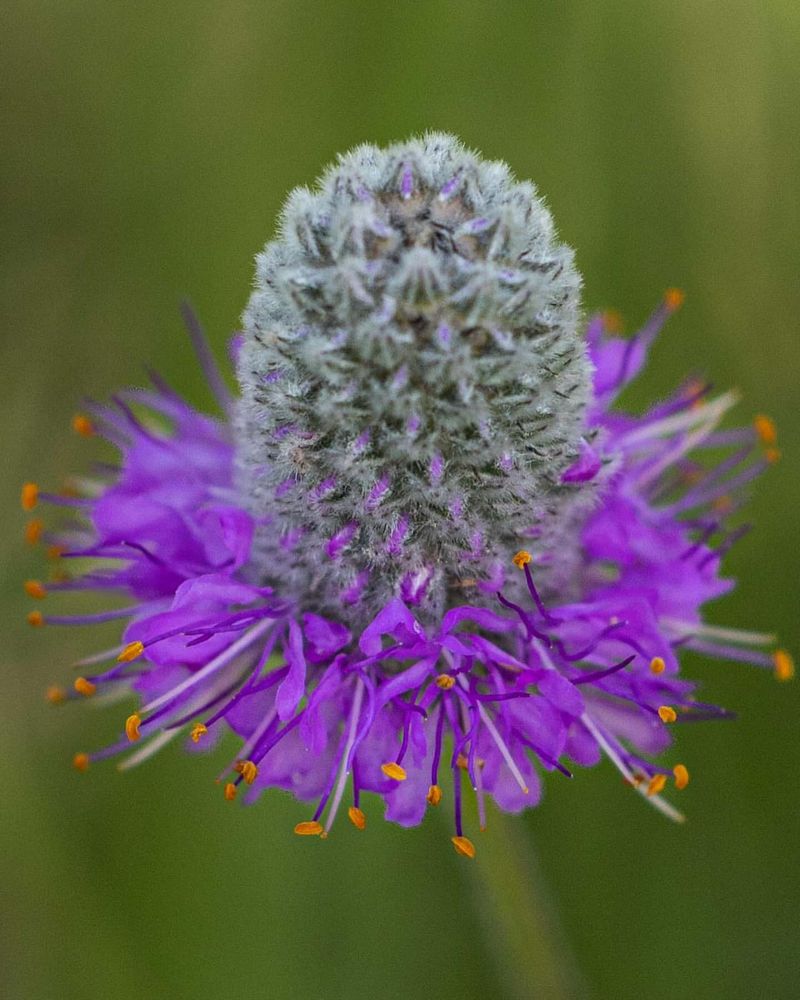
(131, 652)
(612, 321)
(434, 795)
(766, 430)
(35, 618)
(82, 425)
(722, 505)
(309, 828)
(54, 552)
(247, 769)
(462, 762)
(674, 298)
(230, 792)
(667, 713)
(463, 846)
(357, 818)
(132, 724)
(29, 496)
(445, 682)
(657, 665)
(198, 730)
(81, 761)
(656, 784)
(394, 771)
(772, 455)
(784, 665)
(55, 694)
(522, 558)
(681, 776)
(35, 589)
(33, 531)
(84, 687)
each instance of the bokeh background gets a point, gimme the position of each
(147, 148)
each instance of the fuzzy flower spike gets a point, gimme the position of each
(420, 555)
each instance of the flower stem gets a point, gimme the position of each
(521, 927)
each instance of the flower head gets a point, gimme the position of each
(414, 382)
(421, 554)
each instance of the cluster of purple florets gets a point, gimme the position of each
(490, 697)
(421, 554)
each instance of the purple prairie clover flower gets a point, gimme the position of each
(421, 554)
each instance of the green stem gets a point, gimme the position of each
(521, 927)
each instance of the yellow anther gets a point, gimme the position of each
(723, 504)
(198, 730)
(131, 652)
(309, 828)
(772, 455)
(464, 846)
(84, 687)
(434, 795)
(766, 430)
(230, 792)
(35, 618)
(35, 589)
(522, 558)
(81, 761)
(674, 298)
(784, 665)
(462, 762)
(55, 694)
(681, 776)
(393, 770)
(445, 681)
(667, 713)
(33, 531)
(132, 724)
(657, 665)
(357, 818)
(29, 496)
(82, 425)
(656, 784)
(247, 769)
(54, 552)
(612, 321)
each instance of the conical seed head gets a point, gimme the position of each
(413, 380)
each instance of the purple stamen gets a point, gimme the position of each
(437, 749)
(457, 799)
(530, 628)
(726, 545)
(57, 500)
(598, 675)
(95, 619)
(204, 355)
(550, 619)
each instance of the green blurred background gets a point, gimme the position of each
(147, 149)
